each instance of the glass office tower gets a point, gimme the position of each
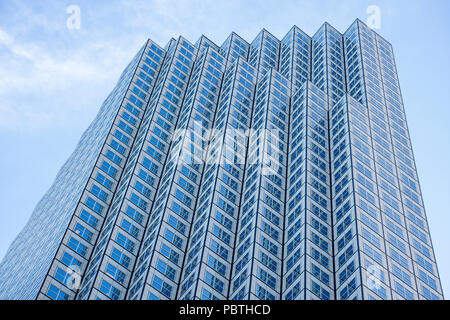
(270, 169)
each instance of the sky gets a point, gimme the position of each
(54, 75)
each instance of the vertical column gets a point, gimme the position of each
(359, 250)
(295, 56)
(170, 224)
(423, 259)
(264, 52)
(327, 64)
(257, 260)
(207, 267)
(307, 244)
(397, 252)
(109, 272)
(233, 48)
(396, 232)
(80, 237)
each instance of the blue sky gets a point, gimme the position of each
(53, 80)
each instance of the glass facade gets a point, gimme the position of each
(275, 169)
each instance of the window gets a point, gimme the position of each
(173, 238)
(146, 177)
(349, 289)
(56, 294)
(116, 146)
(146, 192)
(108, 169)
(113, 157)
(206, 295)
(61, 276)
(263, 294)
(104, 181)
(319, 291)
(130, 228)
(117, 275)
(162, 286)
(94, 205)
(129, 118)
(122, 125)
(165, 269)
(88, 218)
(77, 246)
(405, 293)
(134, 214)
(119, 135)
(216, 265)
(177, 224)
(68, 260)
(83, 232)
(120, 257)
(169, 253)
(138, 201)
(125, 242)
(95, 190)
(109, 290)
(427, 279)
(267, 278)
(214, 282)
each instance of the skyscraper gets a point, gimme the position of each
(276, 169)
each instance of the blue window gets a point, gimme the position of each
(83, 232)
(104, 181)
(95, 190)
(109, 290)
(108, 169)
(88, 218)
(94, 205)
(77, 246)
(68, 260)
(119, 135)
(162, 286)
(120, 257)
(61, 276)
(165, 269)
(114, 272)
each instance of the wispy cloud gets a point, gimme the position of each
(41, 88)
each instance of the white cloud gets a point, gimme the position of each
(5, 38)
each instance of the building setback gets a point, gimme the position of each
(276, 169)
